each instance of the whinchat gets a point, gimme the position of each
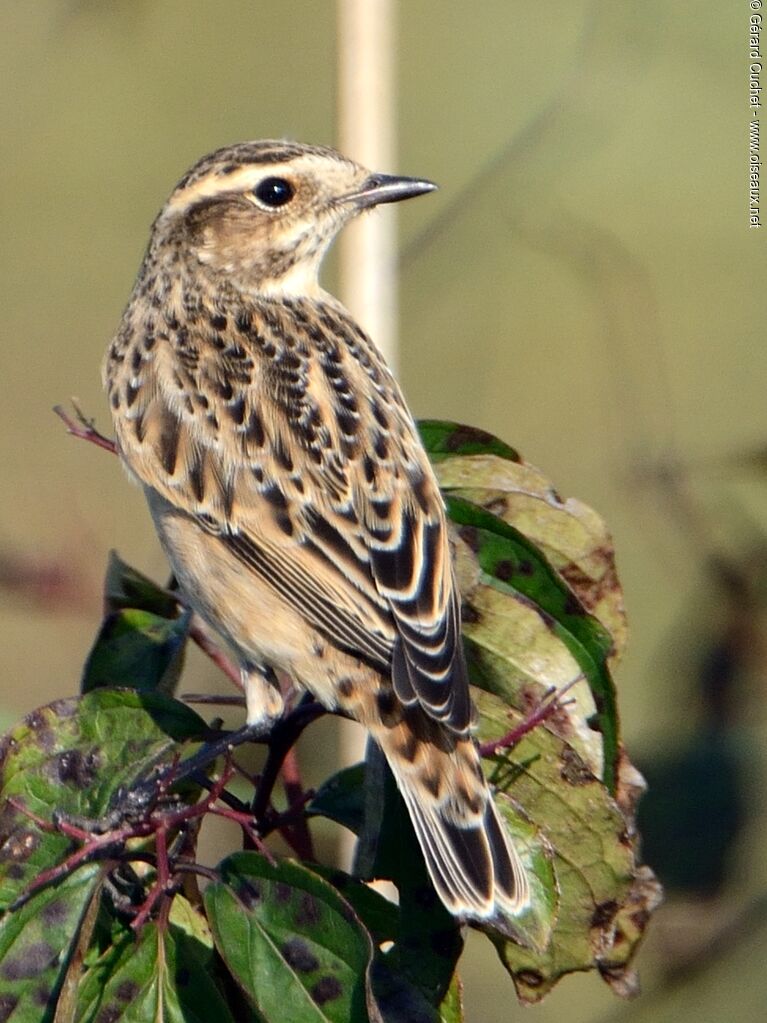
(291, 492)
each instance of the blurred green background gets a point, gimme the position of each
(584, 284)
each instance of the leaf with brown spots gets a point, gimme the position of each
(72, 757)
(442, 439)
(604, 895)
(554, 561)
(518, 600)
(514, 653)
(166, 975)
(293, 944)
(572, 536)
(36, 943)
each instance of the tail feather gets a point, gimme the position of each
(473, 865)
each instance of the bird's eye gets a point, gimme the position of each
(274, 191)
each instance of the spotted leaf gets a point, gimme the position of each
(602, 891)
(293, 944)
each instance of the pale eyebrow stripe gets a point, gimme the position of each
(240, 180)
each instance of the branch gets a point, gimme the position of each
(214, 652)
(84, 428)
(298, 833)
(550, 703)
(284, 736)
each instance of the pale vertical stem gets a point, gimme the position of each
(366, 133)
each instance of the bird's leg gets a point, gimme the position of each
(263, 699)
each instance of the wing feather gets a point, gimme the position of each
(303, 460)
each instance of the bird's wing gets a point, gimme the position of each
(301, 458)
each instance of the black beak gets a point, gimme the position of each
(380, 188)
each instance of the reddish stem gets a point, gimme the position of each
(298, 833)
(549, 704)
(219, 658)
(84, 428)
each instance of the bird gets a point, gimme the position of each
(291, 492)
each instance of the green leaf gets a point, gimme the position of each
(533, 926)
(595, 863)
(399, 999)
(73, 756)
(37, 942)
(451, 1009)
(514, 653)
(442, 439)
(512, 565)
(295, 947)
(377, 913)
(341, 798)
(573, 537)
(125, 587)
(414, 977)
(137, 649)
(164, 975)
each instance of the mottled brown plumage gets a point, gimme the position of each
(290, 489)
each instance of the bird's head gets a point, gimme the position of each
(263, 214)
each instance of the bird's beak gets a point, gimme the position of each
(380, 188)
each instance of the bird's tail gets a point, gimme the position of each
(474, 867)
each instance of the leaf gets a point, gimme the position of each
(398, 998)
(36, 943)
(125, 587)
(341, 798)
(377, 913)
(451, 1009)
(515, 653)
(414, 977)
(295, 947)
(73, 756)
(513, 566)
(137, 649)
(142, 640)
(443, 439)
(533, 926)
(67, 998)
(165, 975)
(401, 1001)
(594, 856)
(573, 538)
(395, 855)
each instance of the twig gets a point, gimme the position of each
(215, 653)
(284, 735)
(213, 699)
(300, 836)
(550, 703)
(84, 428)
(100, 839)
